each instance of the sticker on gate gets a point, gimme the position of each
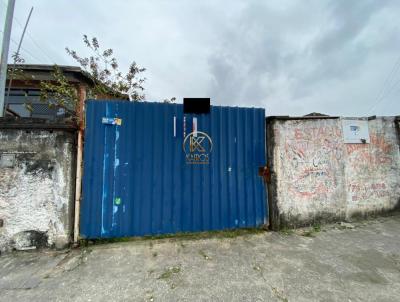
(197, 146)
(111, 121)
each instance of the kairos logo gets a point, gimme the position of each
(197, 147)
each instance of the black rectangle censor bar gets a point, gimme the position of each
(196, 105)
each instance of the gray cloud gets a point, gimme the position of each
(291, 57)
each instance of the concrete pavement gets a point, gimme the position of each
(341, 262)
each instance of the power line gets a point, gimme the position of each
(388, 85)
(17, 54)
(26, 51)
(389, 91)
(32, 39)
(34, 42)
(389, 77)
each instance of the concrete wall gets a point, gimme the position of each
(316, 177)
(36, 188)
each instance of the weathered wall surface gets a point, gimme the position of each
(36, 188)
(317, 177)
(373, 170)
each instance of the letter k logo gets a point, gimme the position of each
(195, 144)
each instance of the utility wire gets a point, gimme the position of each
(387, 93)
(394, 100)
(16, 57)
(24, 49)
(388, 85)
(390, 75)
(32, 40)
(392, 89)
(391, 81)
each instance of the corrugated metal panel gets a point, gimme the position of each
(137, 181)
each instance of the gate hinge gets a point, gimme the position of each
(265, 173)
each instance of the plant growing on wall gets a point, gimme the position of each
(108, 81)
(170, 101)
(15, 73)
(56, 93)
(103, 68)
(59, 92)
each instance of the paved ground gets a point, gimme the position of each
(333, 264)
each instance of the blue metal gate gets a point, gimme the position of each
(151, 169)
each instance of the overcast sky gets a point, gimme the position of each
(290, 57)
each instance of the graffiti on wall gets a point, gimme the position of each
(311, 159)
(319, 175)
(372, 155)
(361, 192)
(368, 168)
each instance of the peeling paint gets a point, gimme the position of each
(36, 194)
(115, 175)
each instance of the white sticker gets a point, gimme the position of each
(194, 127)
(174, 126)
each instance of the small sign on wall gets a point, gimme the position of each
(7, 160)
(355, 131)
